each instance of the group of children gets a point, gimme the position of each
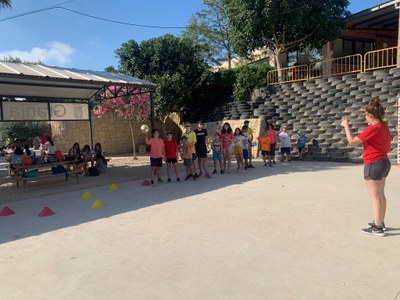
(192, 148)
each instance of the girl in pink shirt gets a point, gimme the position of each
(157, 153)
(227, 140)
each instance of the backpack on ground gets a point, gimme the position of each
(93, 171)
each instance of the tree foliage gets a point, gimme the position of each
(5, 3)
(248, 78)
(282, 25)
(23, 130)
(209, 29)
(120, 103)
(173, 63)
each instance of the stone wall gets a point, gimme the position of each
(113, 133)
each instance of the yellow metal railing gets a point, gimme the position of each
(337, 66)
(373, 60)
(380, 59)
(290, 74)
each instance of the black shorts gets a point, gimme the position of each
(171, 161)
(201, 152)
(285, 150)
(264, 153)
(156, 162)
(272, 150)
(377, 170)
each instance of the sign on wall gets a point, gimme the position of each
(23, 111)
(35, 111)
(69, 111)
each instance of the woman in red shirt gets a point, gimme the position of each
(227, 140)
(376, 143)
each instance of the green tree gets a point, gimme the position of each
(248, 78)
(172, 63)
(5, 3)
(283, 25)
(209, 29)
(25, 131)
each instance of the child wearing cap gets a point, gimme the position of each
(171, 153)
(186, 153)
(191, 140)
(301, 143)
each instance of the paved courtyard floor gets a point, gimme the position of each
(287, 232)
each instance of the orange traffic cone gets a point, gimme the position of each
(146, 183)
(46, 212)
(6, 211)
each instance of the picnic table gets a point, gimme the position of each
(45, 170)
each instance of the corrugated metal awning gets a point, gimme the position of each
(30, 80)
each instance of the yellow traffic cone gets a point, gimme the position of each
(113, 187)
(87, 195)
(97, 204)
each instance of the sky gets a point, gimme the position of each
(63, 38)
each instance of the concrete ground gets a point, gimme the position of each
(287, 232)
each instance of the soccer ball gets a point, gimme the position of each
(144, 128)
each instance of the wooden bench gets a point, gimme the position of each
(45, 171)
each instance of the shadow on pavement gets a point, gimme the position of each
(64, 197)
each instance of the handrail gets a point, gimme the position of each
(379, 59)
(372, 60)
(337, 66)
(289, 74)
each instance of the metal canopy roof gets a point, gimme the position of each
(382, 16)
(29, 80)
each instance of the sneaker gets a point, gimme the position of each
(160, 180)
(194, 178)
(378, 231)
(270, 164)
(222, 171)
(251, 166)
(178, 179)
(265, 164)
(152, 182)
(195, 175)
(169, 180)
(214, 172)
(373, 224)
(188, 177)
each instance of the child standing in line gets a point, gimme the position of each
(171, 153)
(238, 145)
(217, 152)
(157, 152)
(246, 147)
(186, 153)
(265, 144)
(301, 143)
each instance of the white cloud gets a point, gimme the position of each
(54, 53)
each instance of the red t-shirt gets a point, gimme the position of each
(170, 149)
(227, 139)
(376, 142)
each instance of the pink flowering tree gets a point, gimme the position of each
(119, 102)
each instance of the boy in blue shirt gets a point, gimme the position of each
(301, 143)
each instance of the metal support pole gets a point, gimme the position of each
(90, 125)
(152, 116)
(397, 5)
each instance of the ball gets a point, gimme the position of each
(27, 161)
(144, 128)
